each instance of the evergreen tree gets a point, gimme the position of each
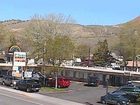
(102, 55)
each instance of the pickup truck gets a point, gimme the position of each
(28, 85)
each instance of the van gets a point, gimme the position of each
(93, 81)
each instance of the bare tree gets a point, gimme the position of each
(41, 29)
(49, 38)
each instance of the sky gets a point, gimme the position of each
(84, 12)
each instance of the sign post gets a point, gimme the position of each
(19, 60)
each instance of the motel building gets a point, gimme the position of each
(77, 73)
(114, 77)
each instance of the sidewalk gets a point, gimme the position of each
(52, 100)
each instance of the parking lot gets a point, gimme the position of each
(78, 92)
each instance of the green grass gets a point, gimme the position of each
(51, 89)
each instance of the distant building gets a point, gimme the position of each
(133, 66)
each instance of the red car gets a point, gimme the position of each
(61, 82)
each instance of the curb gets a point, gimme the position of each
(52, 100)
(16, 91)
(57, 92)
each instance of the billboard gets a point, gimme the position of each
(19, 59)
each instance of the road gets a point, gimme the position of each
(15, 97)
(77, 92)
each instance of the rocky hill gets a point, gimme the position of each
(85, 34)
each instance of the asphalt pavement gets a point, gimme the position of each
(80, 93)
(76, 94)
(10, 96)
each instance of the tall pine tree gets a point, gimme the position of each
(102, 55)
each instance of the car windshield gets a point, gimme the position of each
(15, 78)
(137, 89)
(133, 89)
(32, 81)
(64, 79)
(118, 96)
(93, 78)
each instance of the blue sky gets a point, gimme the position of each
(86, 12)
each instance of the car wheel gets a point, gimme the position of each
(28, 90)
(3, 83)
(59, 86)
(48, 85)
(16, 87)
(118, 103)
(103, 102)
(11, 85)
(37, 90)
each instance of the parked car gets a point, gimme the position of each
(2, 74)
(10, 80)
(115, 99)
(130, 90)
(93, 81)
(131, 97)
(28, 85)
(62, 82)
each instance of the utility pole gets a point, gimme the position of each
(107, 86)
(44, 52)
(88, 57)
(134, 54)
(136, 64)
(56, 85)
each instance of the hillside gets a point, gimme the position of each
(89, 34)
